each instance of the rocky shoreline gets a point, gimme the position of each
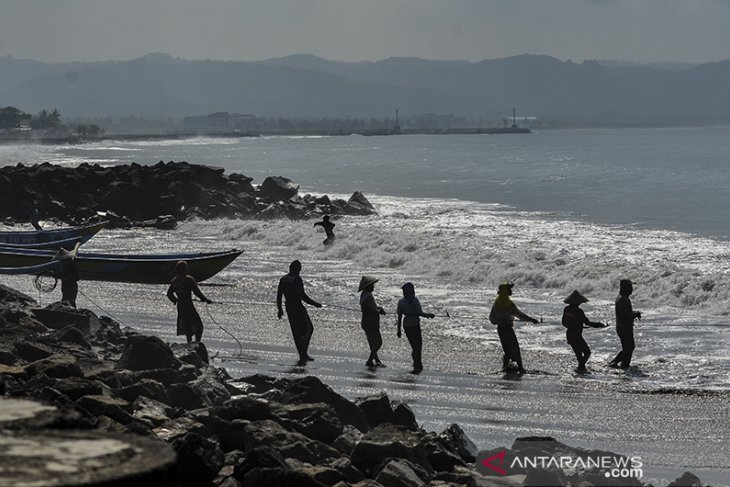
(79, 391)
(159, 195)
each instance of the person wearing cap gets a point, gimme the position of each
(409, 315)
(625, 316)
(503, 314)
(181, 290)
(328, 227)
(69, 275)
(371, 319)
(291, 287)
(573, 319)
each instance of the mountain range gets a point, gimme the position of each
(305, 86)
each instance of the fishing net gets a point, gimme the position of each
(45, 282)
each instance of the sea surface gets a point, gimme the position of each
(552, 211)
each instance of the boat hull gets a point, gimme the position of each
(48, 236)
(144, 269)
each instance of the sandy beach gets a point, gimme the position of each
(671, 432)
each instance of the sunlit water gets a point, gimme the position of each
(552, 212)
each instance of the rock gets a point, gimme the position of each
(360, 204)
(347, 469)
(687, 479)
(279, 477)
(243, 407)
(441, 455)
(258, 457)
(289, 444)
(199, 460)
(403, 415)
(59, 315)
(277, 188)
(455, 437)
(539, 477)
(165, 222)
(210, 389)
(317, 421)
(185, 396)
(164, 376)
(31, 351)
(9, 295)
(70, 335)
(348, 439)
(376, 408)
(149, 388)
(117, 409)
(176, 428)
(311, 390)
(77, 387)
(401, 473)
(143, 352)
(191, 353)
(262, 383)
(90, 458)
(58, 366)
(155, 412)
(389, 441)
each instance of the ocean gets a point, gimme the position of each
(552, 212)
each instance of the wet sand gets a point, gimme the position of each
(461, 382)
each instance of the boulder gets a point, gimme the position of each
(199, 460)
(9, 295)
(70, 335)
(258, 457)
(191, 353)
(58, 366)
(403, 415)
(289, 444)
(143, 352)
(156, 412)
(317, 421)
(280, 477)
(389, 441)
(277, 188)
(143, 388)
(360, 204)
(77, 387)
(347, 441)
(687, 479)
(31, 351)
(457, 440)
(441, 455)
(401, 473)
(310, 389)
(243, 407)
(376, 408)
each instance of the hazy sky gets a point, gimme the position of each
(354, 30)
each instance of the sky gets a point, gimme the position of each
(692, 31)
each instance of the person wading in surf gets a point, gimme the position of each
(625, 316)
(328, 227)
(409, 314)
(371, 319)
(291, 287)
(573, 319)
(503, 313)
(181, 290)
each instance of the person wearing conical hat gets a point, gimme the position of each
(503, 314)
(573, 320)
(371, 319)
(180, 293)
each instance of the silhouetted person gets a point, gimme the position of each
(181, 290)
(328, 227)
(625, 316)
(573, 319)
(409, 314)
(35, 217)
(69, 277)
(371, 319)
(503, 314)
(291, 287)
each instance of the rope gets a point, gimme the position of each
(42, 285)
(102, 309)
(240, 345)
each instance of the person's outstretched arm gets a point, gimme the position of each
(199, 293)
(519, 314)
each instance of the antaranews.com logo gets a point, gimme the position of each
(608, 465)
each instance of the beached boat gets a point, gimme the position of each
(84, 232)
(138, 268)
(67, 244)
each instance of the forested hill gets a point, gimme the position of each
(159, 85)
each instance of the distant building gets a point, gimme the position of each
(222, 122)
(522, 122)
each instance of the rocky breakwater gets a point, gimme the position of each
(85, 401)
(158, 195)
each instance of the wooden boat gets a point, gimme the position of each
(145, 269)
(67, 243)
(34, 270)
(85, 232)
